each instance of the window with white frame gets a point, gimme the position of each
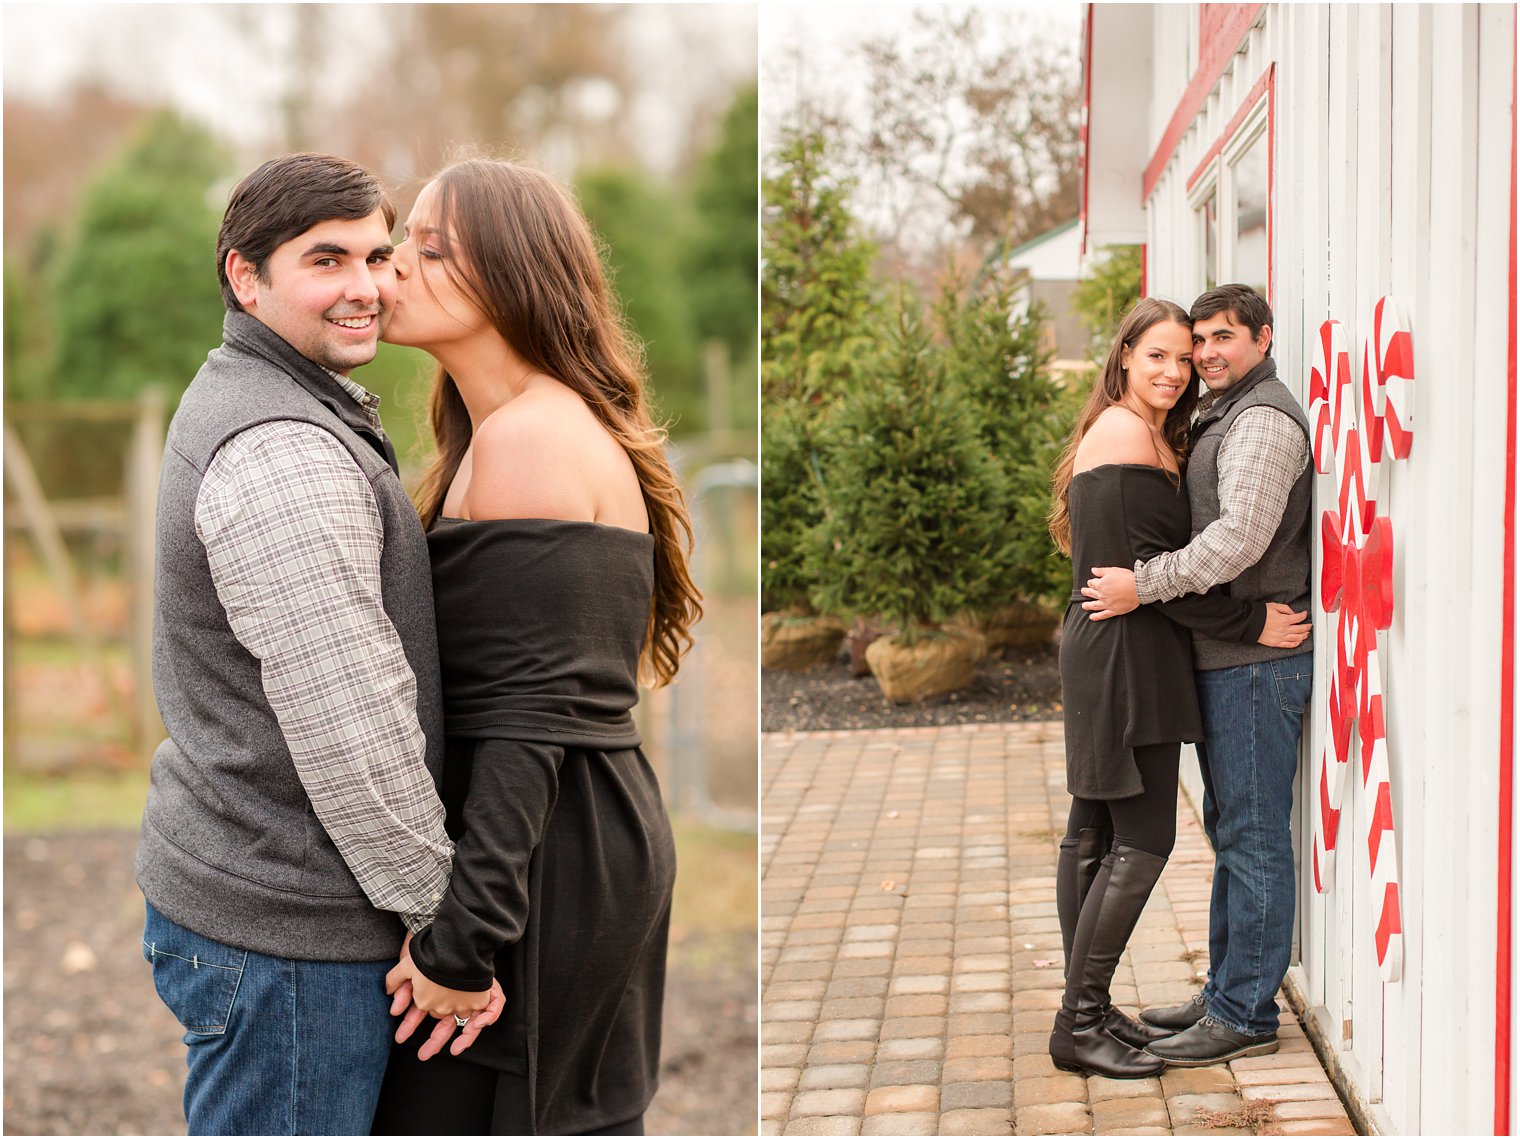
(1231, 200)
(1207, 212)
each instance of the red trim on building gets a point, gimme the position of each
(1503, 1026)
(1221, 32)
(1263, 88)
(1266, 85)
(1087, 26)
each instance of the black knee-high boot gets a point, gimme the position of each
(1079, 863)
(1081, 1040)
(1077, 866)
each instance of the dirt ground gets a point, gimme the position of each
(90, 1050)
(1017, 685)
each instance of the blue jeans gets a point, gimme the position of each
(276, 1046)
(1253, 716)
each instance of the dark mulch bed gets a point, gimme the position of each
(1019, 684)
(90, 1050)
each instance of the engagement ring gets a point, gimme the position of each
(461, 1021)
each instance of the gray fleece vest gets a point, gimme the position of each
(1282, 573)
(230, 846)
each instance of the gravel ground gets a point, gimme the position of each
(1020, 685)
(90, 1050)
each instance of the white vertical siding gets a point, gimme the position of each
(1392, 155)
(1409, 211)
(1172, 47)
(1451, 653)
(1300, 299)
(1495, 54)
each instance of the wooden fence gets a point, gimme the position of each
(46, 520)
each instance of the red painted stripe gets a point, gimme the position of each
(1230, 28)
(1503, 1028)
(1390, 923)
(1382, 820)
(1086, 117)
(1261, 87)
(1331, 816)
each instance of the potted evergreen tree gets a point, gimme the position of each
(913, 514)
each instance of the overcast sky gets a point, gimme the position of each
(815, 48)
(187, 55)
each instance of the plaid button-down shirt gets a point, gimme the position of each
(293, 536)
(1260, 458)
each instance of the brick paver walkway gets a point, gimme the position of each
(911, 958)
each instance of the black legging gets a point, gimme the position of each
(450, 1096)
(1147, 821)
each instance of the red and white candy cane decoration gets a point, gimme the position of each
(1356, 583)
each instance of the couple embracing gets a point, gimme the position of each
(402, 777)
(1187, 521)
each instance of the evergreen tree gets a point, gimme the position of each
(914, 506)
(723, 254)
(817, 309)
(816, 292)
(136, 295)
(1022, 418)
(789, 506)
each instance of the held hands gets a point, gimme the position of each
(1112, 589)
(417, 997)
(1284, 629)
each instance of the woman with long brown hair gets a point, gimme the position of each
(559, 539)
(1127, 683)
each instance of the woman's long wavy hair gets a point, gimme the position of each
(1110, 388)
(528, 260)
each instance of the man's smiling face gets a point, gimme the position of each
(1224, 351)
(326, 292)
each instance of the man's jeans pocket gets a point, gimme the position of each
(196, 977)
(1294, 679)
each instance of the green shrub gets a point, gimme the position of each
(1107, 293)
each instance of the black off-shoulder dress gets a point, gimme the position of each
(564, 860)
(1127, 682)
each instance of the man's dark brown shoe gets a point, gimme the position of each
(1209, 1042)
(1177, 1018)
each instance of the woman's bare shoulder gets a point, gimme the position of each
(529, 461)
(1118, 435)
(530, 421)
(544, 454)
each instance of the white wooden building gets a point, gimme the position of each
(1049, 267)
(1335, 155)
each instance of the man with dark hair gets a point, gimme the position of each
(1249, 483)
(293, 830)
